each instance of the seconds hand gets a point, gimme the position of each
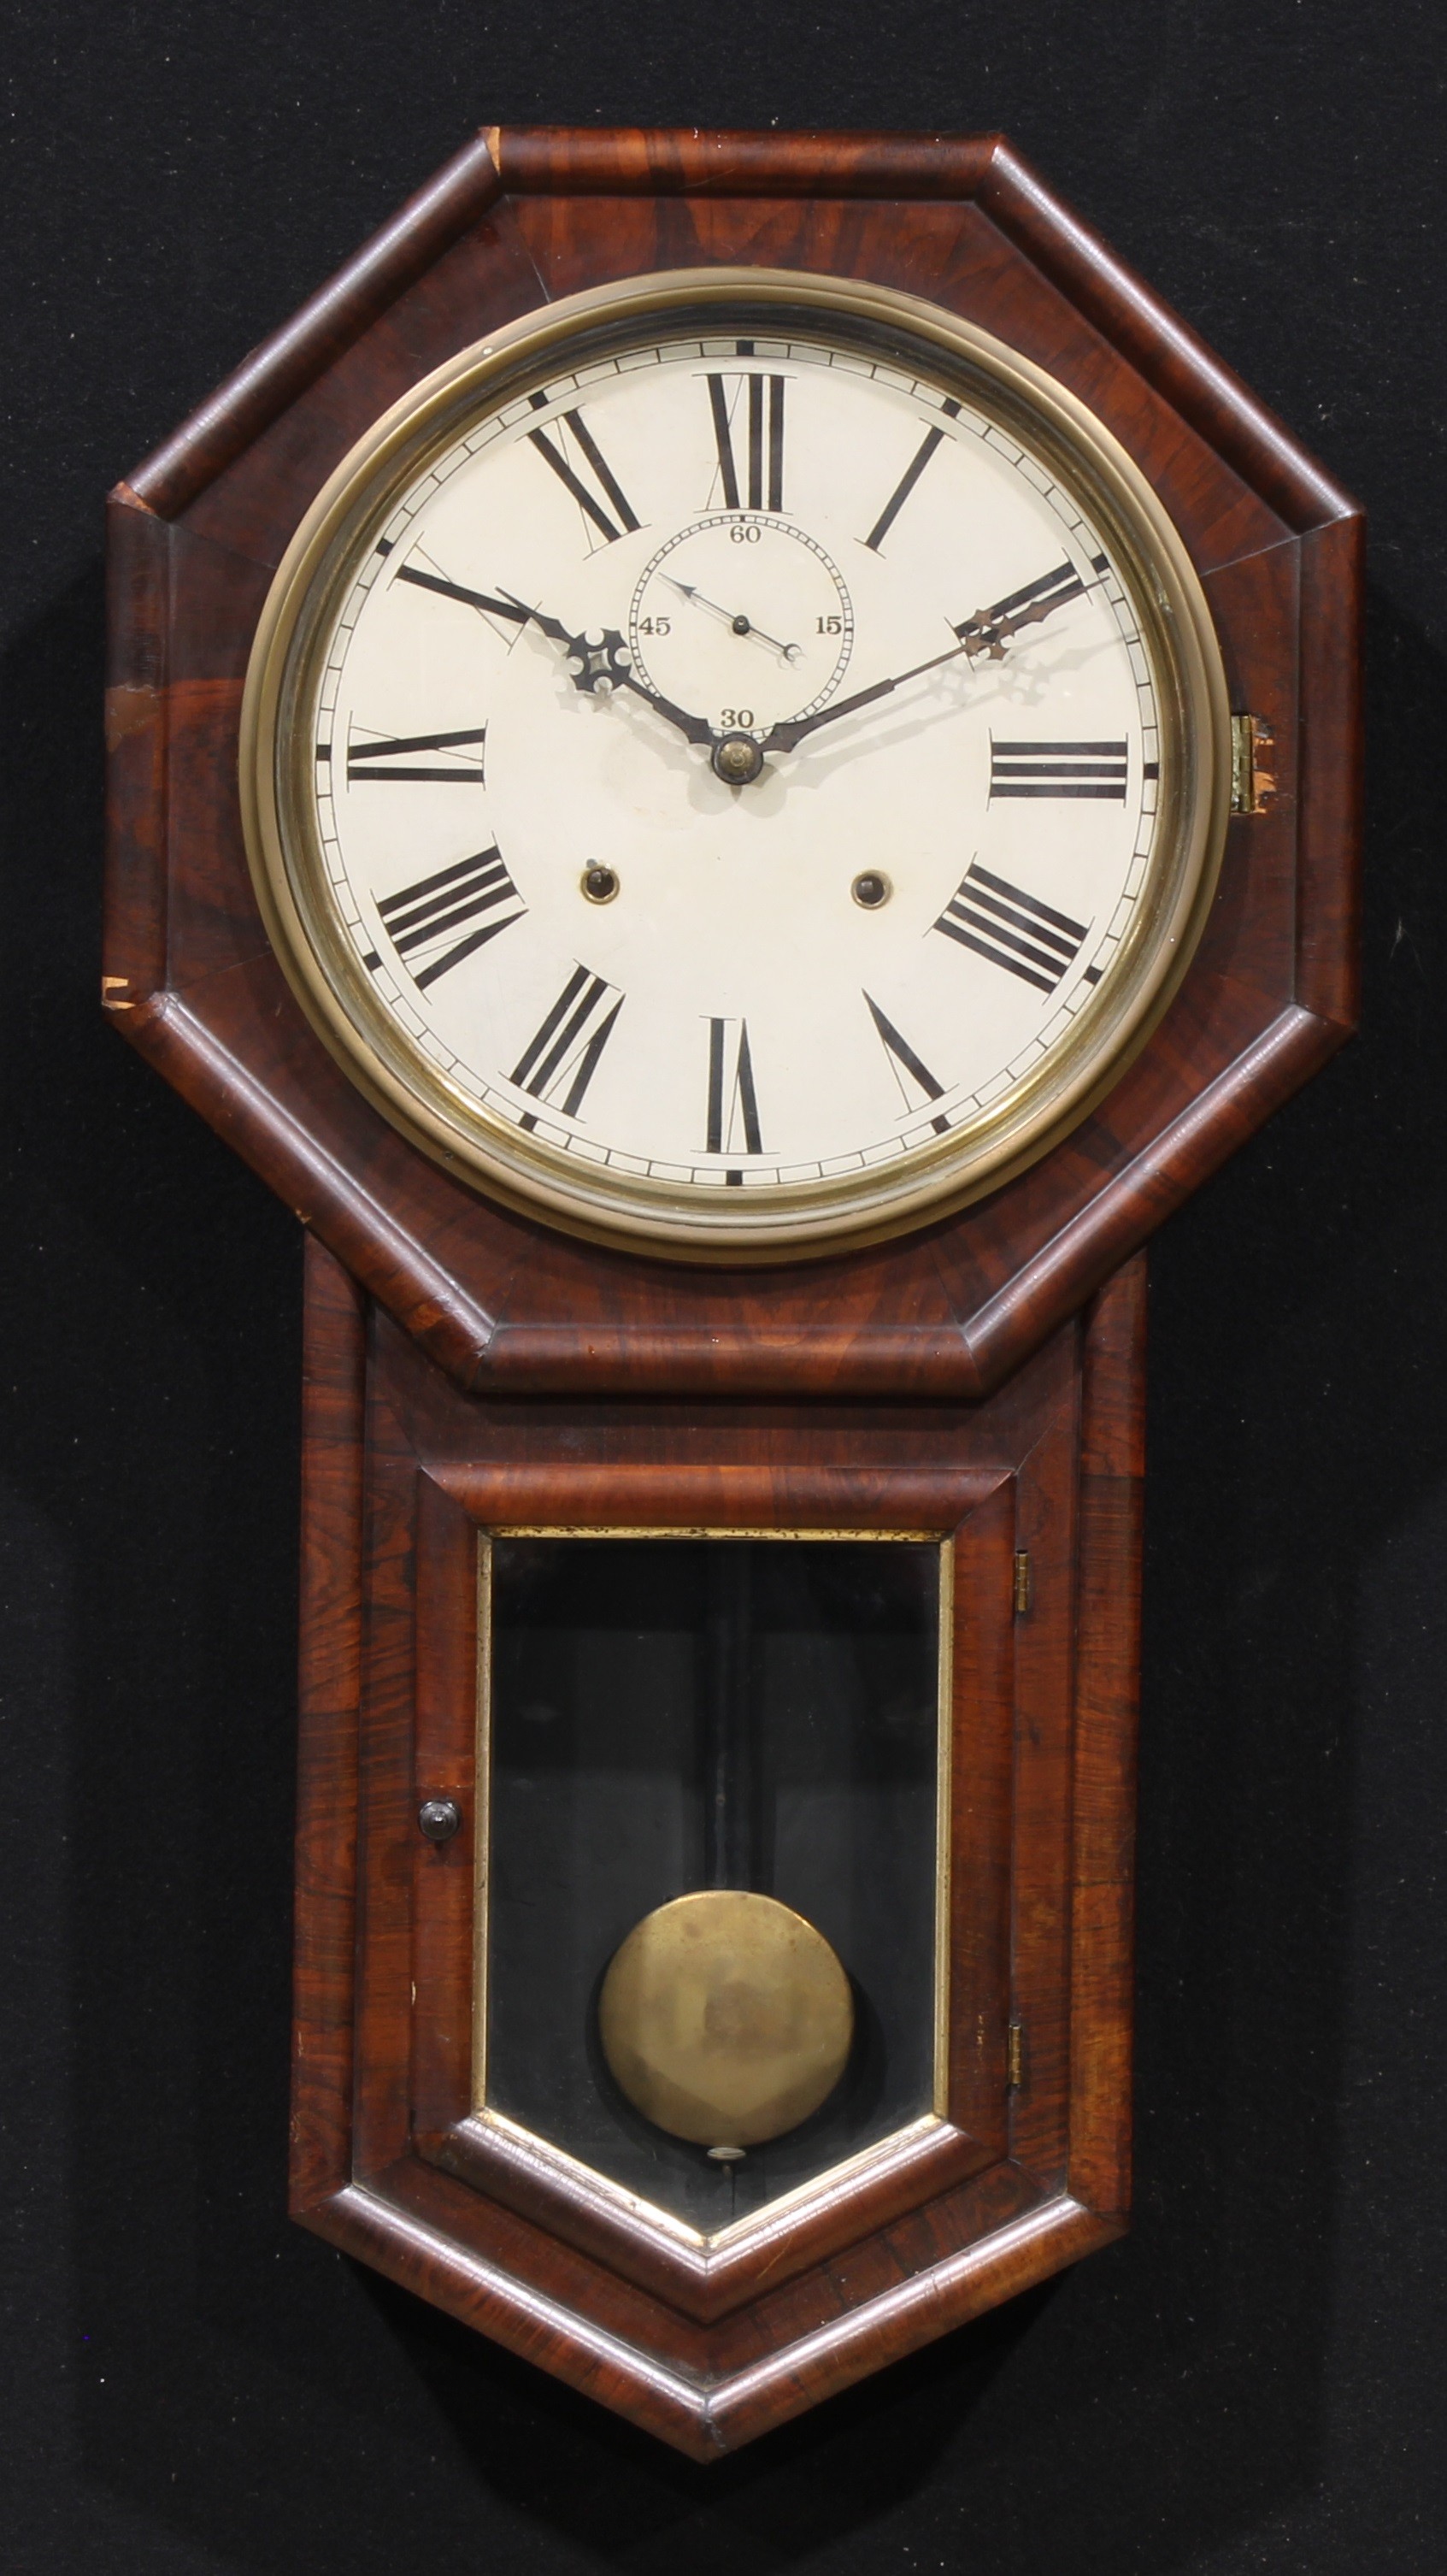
(741, 625)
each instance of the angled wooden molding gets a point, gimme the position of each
(704, 2417)
(601, 161)
(330, 322)
(1166, 350)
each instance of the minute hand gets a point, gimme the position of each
(986, 632)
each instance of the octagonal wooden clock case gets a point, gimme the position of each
(734, 765)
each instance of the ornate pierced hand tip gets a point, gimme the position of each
(600, 662)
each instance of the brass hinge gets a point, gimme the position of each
(1253, 782)
(1015, 2056)
(1022, 1581)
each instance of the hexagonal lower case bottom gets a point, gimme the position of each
(1023, 2166)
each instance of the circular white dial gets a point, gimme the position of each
(733, 767)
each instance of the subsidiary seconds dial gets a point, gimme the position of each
(738, 762)
(684, 638)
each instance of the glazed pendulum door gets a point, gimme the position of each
(711, 1902)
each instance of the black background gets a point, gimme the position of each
(1251, 2382)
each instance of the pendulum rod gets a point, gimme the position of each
(728, 1764)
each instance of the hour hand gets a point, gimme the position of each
(552, 627)
(695, 728)
(601, 663)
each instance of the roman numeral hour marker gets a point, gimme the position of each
(1012, 929)
(907, 481)
(1091, 769)
(562, 1056)
(420, 919)
(619, 515)
(733, 1108)
(760, 399)
(395, 756)
(906, 1066)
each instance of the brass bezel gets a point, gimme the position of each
(802, 1220)
(483, 2113)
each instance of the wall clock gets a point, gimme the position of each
(734, 765)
